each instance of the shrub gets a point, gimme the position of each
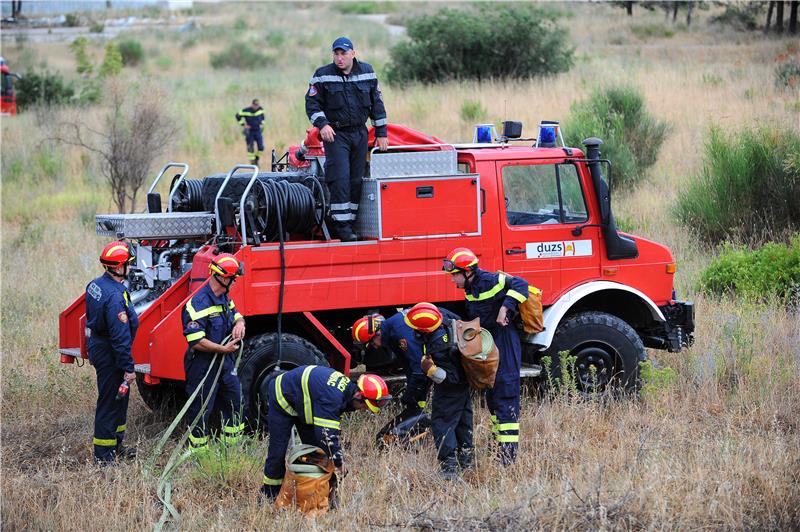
(83, 65)
(748, 189)
(770, 271)
(112, 62)
(489, 41)
(472, 110)
(241, 56)
(71, 20)
(649, 31)
(97, 27)
(43, 88)
(363, 8)
(131, 51)
(632, 137)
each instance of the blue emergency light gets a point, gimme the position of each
(484, 134)
(549, 134)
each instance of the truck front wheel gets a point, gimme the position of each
(258, 362)
(607, 352)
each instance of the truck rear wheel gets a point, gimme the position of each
(165, 398)
(259, 359)
(607, 352)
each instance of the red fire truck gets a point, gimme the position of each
(8, 102)
(533, 208)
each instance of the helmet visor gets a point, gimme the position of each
(449, 266)
(375, 405)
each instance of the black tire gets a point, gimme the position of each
(165, 398)
(259, 359)
(601, 341)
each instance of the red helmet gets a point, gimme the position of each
(226, 265)
(116, 254)
(365, 329)
(374, 390)
(424, 317)
(460, 260)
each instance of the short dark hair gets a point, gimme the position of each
(255, 101)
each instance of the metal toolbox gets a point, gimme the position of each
(155, 225)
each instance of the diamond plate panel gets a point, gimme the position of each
(412, 164)
(155, 225)
(367, 222)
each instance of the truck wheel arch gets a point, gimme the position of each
(579, 299)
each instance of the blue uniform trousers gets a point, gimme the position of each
(503, 399)
(345, 165)
(254, 136)
(111, 415)
(225, 395)
(451, 423)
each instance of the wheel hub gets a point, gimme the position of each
(594, 367)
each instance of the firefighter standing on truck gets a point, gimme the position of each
(340, 98)
(451, 412)
(312, 399)
(494, 297)
(208, 318)
(251, 118)
(111, 322)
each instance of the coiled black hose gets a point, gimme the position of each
(282, 207)
(188, 197)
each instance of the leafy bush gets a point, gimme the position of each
(489, 41)
(472, 110)
(43, 88)
(112, 62)
(97, 27)
(83, 65)
(649, 31)
(748, 189)
(632, 137)
(71, 20)
(773, 270)
(740, 15)
(131, 51)
(363, 8)
(241, 56)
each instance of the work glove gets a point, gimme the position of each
(432, 371)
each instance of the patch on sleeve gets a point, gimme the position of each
(193, 325)
(403, 344)
(123, 317)
(95, 291)
(312, 90)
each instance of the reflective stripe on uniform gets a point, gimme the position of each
(272, 481)
(233, 429)
(507, 426)
(516, 295)
(122, 428)
(317, 115)
(281, 399)
(309, 417)
(327, 423)
(379, 122)
(501, 283)
(507, 438)
(195, 336)
(237, 317)
(105, 443)
(197, 441)
(260, 112)
(197, 314)
(339, 79)
(422, 404)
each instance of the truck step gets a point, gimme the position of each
(142, 368)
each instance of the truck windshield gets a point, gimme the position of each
(7, 89)
(543, 194)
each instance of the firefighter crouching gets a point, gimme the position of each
(451, 411)
(111, 322)
(340, 98)
(251, 119)
(494, 297)
(208, 318)
(312, 399)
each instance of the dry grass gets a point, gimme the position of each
(717, 448)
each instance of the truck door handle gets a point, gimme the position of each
(515, 251)
(425, 192)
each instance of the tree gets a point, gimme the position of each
(136, 130)
(83, 66)
(112, 62)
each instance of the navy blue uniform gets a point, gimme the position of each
(485, 294)
(254, 119)
(345, 102)
(451, 412)
(398, 336)
(206, 315)
(113, 324)
(312, 399)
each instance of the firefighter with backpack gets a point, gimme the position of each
(494, 298)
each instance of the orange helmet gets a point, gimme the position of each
(116, 254)
(365, 329)
(374, 390)
(460, 260)
(226, 265)
(424, 317)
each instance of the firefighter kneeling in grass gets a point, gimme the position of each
(312, 399)
(494, 298)
(208, 318)
(451, 412)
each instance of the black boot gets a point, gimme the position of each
(344, 232)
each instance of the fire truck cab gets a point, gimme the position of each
(539, 210)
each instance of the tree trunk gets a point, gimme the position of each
(779, 18)
(793, 17)
(674, 12)
(689, 7)
(769, 17)
(629, 8)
